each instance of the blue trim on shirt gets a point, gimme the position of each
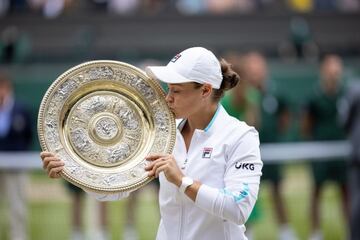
(239, 197)
(213, 119)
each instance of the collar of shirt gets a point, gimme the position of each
(209, 128)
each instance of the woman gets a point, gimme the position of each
(209, 185)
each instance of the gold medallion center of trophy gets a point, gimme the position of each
(105, 128)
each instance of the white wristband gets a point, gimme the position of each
(185, 182)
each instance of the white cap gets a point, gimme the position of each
(196, 64)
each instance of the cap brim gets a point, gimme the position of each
(166, 74)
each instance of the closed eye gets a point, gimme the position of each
(174, 91)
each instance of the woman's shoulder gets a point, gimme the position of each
(232, 129)
(238, 127)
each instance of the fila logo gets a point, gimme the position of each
(207, 153)
(245, 166)
(174, 59)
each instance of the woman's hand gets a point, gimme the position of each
(164, 163)
(51, 164)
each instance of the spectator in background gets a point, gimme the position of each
(15, 135)
(238, 102)
(152, 7)
(325, 5)
(273, 122)
(77, 195)
(301, 6)
(217, 7)
(14, 45)
(228, 6)
(321, 122)
(189, 7)
(352, 127)
(4, 7)
(300, 43)
(9, 6)
(349, 5)
(122, 7)
(8, 44)
(131, 7)
(50, 8)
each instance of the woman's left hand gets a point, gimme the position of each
(164, 163)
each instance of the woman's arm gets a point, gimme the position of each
(242, 178)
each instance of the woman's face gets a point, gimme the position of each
(184, 99)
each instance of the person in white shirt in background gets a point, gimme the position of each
(209, 184)
(15, 136)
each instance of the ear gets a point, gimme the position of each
(206, 90)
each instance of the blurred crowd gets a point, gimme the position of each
(54, 8)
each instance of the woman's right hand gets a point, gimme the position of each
(51, 164)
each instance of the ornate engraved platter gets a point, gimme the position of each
(102, 118)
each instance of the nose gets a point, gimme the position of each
(169, 98)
